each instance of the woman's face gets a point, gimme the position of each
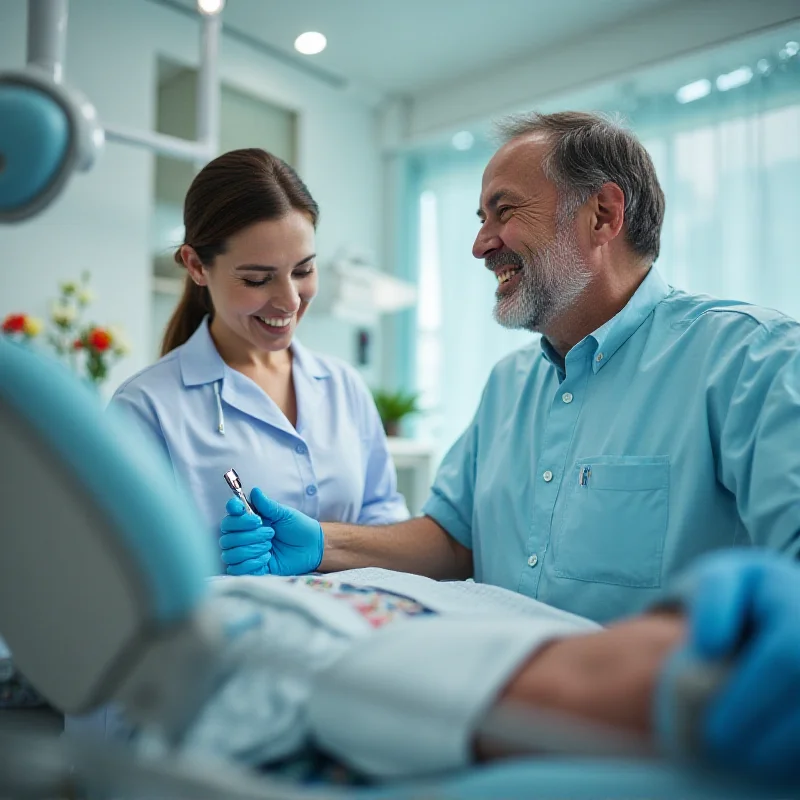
(262, 284)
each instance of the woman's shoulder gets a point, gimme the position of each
(163, 374)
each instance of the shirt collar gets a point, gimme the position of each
(201, 362)
(610, 336)
(309, 363)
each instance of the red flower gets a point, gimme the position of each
(14, 323)
(99, 339)
(77, 345)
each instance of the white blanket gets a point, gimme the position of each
(400, 700)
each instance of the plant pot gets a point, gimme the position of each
(392, 428)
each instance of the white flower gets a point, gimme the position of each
(85, 296)
(63, 315)
(121, 345)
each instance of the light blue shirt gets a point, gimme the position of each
(334, 466)
(672, 430)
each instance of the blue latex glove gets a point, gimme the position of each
(745, 605)
(246, 545)
(298, 541)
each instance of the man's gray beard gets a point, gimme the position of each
(551, 282)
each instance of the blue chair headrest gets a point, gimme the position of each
(98, 547)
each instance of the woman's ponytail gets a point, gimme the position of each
(194, 304)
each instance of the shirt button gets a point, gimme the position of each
(300, 449)
(311, 490)
(548, 476)
(599, 356)
(567, 397)
(533, 560)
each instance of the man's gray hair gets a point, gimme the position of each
(589, 150)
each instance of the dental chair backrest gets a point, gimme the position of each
(100, 557)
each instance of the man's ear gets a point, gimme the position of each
(193, 265)
(609, 214)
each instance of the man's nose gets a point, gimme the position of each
(487, 241)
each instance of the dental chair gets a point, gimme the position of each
(103, 601)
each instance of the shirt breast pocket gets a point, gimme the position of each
(614, 521)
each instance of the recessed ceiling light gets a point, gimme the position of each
(210, 7)
(463, 140)
(310, 43)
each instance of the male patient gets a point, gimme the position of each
(394, 675)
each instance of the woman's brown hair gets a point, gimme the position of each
(229, 194)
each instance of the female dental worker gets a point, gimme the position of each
(234, 389)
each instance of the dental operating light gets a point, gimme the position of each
(210, 6)
(48, 130)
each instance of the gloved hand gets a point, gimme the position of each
(297, 542)
(246, 543)
(745, 605)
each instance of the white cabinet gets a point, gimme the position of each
(414, 463)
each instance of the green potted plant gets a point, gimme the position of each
(393, 407)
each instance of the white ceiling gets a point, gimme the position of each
(413, 46)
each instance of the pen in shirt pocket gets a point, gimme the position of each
(583, 476)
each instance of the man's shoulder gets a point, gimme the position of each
(703, 314)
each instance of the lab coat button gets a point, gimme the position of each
(533, 560)
(567, 397)
(301, 450)
(311, 490)
(548, 476)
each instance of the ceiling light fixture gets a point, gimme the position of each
(310, 43)
(733, 80)
(693, 91)
(210, 7)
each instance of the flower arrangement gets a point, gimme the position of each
(90, 349)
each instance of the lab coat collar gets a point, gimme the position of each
(310, 377)
(202, 364)
(309, 364)
(610, 336)
(200, 361)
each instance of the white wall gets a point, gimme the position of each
(101, 222)
(663, 34)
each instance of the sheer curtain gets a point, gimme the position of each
(729, 164)
(458, 342)
(731, 176)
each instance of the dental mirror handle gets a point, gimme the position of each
(232, 479)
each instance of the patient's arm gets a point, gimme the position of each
(419, 545)
(606, 677)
